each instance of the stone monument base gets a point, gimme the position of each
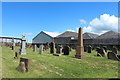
(79, 52)
(23, 53)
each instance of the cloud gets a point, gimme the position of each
(70, 30)
(82, 21)
(102, 24)
(53, 34)
(87, 29)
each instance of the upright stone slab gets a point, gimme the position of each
(66, 50)
(98, 51)
(113, 56)
(80, 48)
(34, 48)
(89, 49)
(59, 49)
(41, 49)
(52, 47)
(101, 52)
(114, 49)
(23, 46)
(85, 48)
(27, 63)
(105, 48)
(16, 55)
(13, 44)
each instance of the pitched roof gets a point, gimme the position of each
(68, 34)
(51, 34)
(109, 34)
(89, 35)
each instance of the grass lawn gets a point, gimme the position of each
(48, 66)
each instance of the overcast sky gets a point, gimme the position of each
(57, 17)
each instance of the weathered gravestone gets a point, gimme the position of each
(21, 67)
(34, 48)
(58, 50)
(16, 55)
(105, 48)
(100, 52)
(80, 48)
(112, 56)
(52, 47)
(23, 46)
(27, 63)
(85, 48)
(41, 49)
(89, 49)
(66, 50)
(114, 49)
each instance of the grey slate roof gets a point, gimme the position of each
(109, 34)
(68, 34)
(89, 35)
(75, 35)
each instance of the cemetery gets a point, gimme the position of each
(52, 60)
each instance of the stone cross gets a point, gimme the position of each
(80, 48)
(41, 49)
(23, 46)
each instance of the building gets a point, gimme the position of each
(43, 37)
(65, 37)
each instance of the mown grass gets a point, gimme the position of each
(48, 66)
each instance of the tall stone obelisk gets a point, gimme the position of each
(23, 46)
(80, 48)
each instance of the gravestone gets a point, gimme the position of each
(52, 47)
(105, 48)
(16, 55)
(27, 63)
(23, 46)
(98, 51)
(85, 48)
(34, 48)
(101, 52)
(59, 49)
(41, 49)
(66, 50)
(89, 49)
(114, 49)
(80, 48)
(21, 67)
(112, 56)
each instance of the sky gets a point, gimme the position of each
(55, 18)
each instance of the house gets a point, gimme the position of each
(109, 39)
(65, 37)
(88, 39)
(43, 37)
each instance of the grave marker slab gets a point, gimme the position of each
(27, 63)
(41, 49)
(112, 56)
